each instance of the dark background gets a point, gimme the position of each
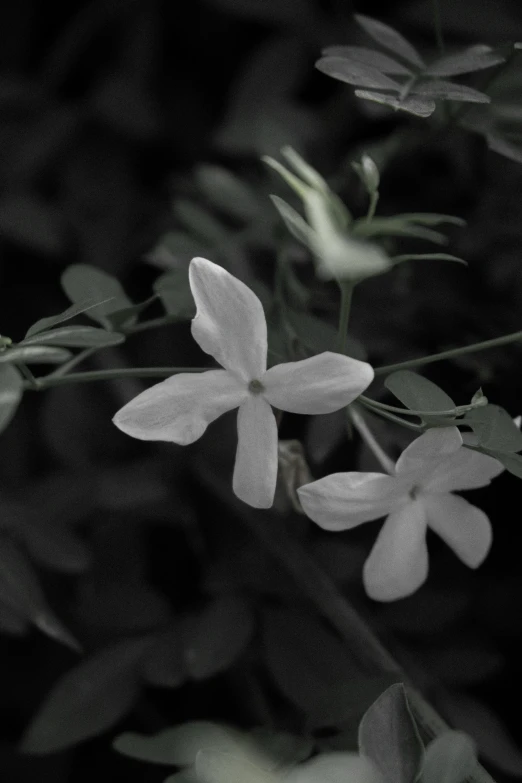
(105, 109)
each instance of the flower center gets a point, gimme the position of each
(415, 491)
(256, 387)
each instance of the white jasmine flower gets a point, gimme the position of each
(230, 325)
(418, 496)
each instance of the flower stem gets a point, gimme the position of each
(47, 381)
(374, 200)
(344, 314)
(64, 368)
(457, 411)
(437, 357)
(367, 435)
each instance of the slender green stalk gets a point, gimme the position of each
(437, 23)
(391, 417)
(28, 375)
(344, 314)
(154, 323)
(367, 435)
(64, 368)
(374, 200)
(457, 411)
(437, 357)
(48, 381)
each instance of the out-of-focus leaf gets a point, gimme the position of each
(57, 547)
(412, 105)
(173, 288)
(396, 227)
(450, 758)
(493, 740)
(34, 354)
(179, 745)
(214, 639)
(428, 218)
(356, 73)
(475, 58)
(11, 622)
(21, 591)
(164, 665)
(177, 248)
(199, 222)
(465, 661)
(76, 309)
(294, 222)
(32, 222)
(80, 281)
(319, 336)
(128, 315)
(417, 392)
(371, 57)
(428, 257)
(88, 699)
(227, 192)
(494, 428)
(390, 39)
(511, 462)
(388, 736)
(449, 91)
(76, 337)
(314, 669)
(11, 390)
(504, 147)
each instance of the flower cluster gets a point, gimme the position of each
(230, 325)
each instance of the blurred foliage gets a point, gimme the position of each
(131, 134)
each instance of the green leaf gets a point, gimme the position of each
(178, 745)
(356, 73)
(294, 222)
(83, 280)
(475, 58)
(227, 192)
(199, 222)
(313, 668)
(395, 227)
(511, 462)
(76, 337)
(371, 57)
(449, 91)
(20, 590)
(494, 428)
(502, 146)
(450, 758)
(173, 288)
(128, 315)
(214, 639)
(390, 39)
(427, 257)
(175, 247)
(419, 107)
(11, 390)
(34, 354)
(319, 336)
(88, 699)
(429, 218)
(388, 737)
(417, 392)
(76, 309)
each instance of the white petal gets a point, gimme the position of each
(398, 563)
(180, 409)
(425, 451)
(343, 500)
(339, 767)
(255, 471)
(321, 384)
(465, 469)
(464, 528)
(230, 322)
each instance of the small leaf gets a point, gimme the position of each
(450, 758)
(494, 428)
(11, 390)
(88, 699)
(428, 257)
(319, 336)
(429, 218)
(416, 106)
(356, 73)
(199, 222)
(83, 280)
(511, 462)
(34, 354)
(176, 248)
(76, 337)
(388, 737)
(213, 640)
(178, 745)
(227, 192)
(294, 222)
(417, 392)
(504, 147)
(390, 39)
(173, 288)
(396, 227)
(475, 58)
(127, 315)
(72, 311)
(449, 91)
(371, 57)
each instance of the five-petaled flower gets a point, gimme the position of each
(230, 325)
(418, 496)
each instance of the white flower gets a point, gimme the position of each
(418, 496)
(230, 325)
